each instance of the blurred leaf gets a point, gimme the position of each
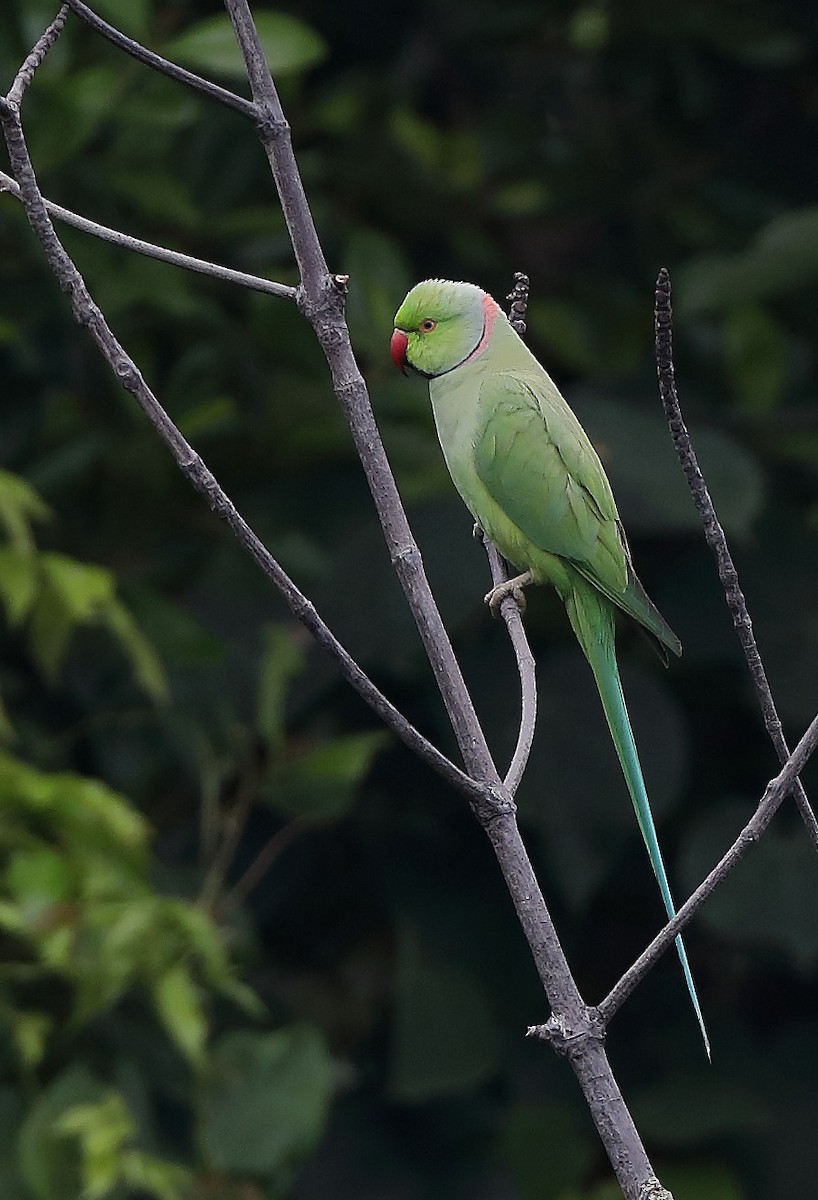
(345, 759)
(175, 633)
(19, 506)
(290, 45)
(782, 258)
(754, 355)
(147, 667)
(178, 1002)
(266, 1099)
(37, 879)
(104, 1130)
(322, 784)
(49, 1163)
(18, 582)
(379, 277)
(101, 1127)
(589, 27)
(31, 1029)
(771, 896)
(445, 1038)
(85, 591)
(281, 661)
(79, 103)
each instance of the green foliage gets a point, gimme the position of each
(289, 45)
(265, 1100)
(166, 731)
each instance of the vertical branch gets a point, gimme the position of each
(716, 539)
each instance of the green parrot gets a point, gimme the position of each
(533, 482)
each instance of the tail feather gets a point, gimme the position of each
(592, 619)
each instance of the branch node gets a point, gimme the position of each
(653, 1190)
(407, 554)
(329, 303)
(128, 375)
(493, 803)
(271, 126)
(566, 1041)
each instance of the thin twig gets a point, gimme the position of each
(162, 65)
(233, 823)
(26, 73)
(126, 372)
(774, 794)
(509, 609)
(174, 257)
(716, 540)
(262, 862)
(513, 617)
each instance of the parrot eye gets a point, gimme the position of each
(427, 326)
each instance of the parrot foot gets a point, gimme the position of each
(477, 532)
(512, 587)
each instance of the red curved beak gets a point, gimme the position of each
(398, 348)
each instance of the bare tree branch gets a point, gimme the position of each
(88, 315)
(776, 791)
(33, 60)
(716, 540)
(255, 282)
(162, 65)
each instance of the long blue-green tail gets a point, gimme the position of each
(592, 619)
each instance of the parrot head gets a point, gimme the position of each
(441, 325)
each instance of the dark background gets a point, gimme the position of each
(587, 145)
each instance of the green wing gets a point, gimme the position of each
(535, 460)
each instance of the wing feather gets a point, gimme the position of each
(537, 463)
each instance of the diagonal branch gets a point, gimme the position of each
(776, 791)
(202, 266)
(89, 315)
(716, 540)
(162, 65)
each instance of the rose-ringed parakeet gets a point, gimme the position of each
(530, 477)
